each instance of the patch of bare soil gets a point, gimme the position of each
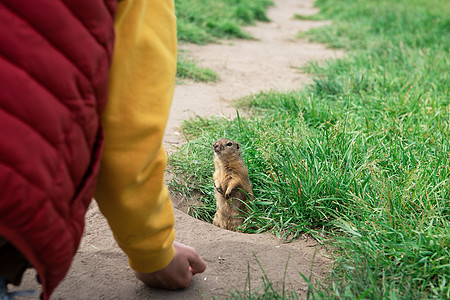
(100, 270)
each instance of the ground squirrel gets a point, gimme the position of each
(232, 187)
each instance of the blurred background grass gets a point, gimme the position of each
(208, 21)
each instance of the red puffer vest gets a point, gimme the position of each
(54, 65)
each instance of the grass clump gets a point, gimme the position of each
(266, 290)
(205, 21)
(187, 68)
(363, 153)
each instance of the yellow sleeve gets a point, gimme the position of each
(130, 192)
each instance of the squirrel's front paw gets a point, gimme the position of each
(218, 189)
(229, 192)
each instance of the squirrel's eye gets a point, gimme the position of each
(229, 144)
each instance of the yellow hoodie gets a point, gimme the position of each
(131, 193)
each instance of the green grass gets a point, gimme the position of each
(363, 153)
(266, 290)
(308, 17)
(207, 21)
(187, 68)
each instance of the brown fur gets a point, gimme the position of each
(232, 185)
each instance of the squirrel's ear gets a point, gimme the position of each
(237, 145)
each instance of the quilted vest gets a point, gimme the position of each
(54, 64)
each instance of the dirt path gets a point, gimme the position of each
(100, 270)
(246, 67)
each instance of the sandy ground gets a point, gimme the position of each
(100, 270)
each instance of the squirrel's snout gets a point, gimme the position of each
(218, 147)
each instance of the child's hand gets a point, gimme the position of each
(178, 273)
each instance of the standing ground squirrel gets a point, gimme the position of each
(231, 183)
